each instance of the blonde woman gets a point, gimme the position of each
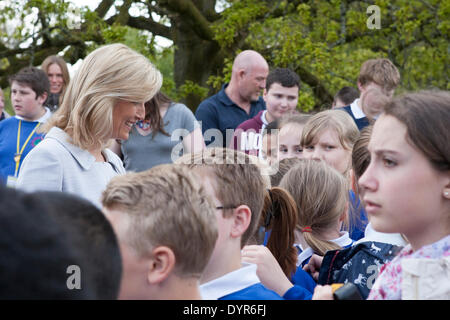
(58, 76)
(103, 101)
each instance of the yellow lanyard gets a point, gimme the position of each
(19, 152)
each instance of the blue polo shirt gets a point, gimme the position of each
(219, 112)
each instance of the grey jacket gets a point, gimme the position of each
(56, 164)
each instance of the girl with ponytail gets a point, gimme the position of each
(321, 196)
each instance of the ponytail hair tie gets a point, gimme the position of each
(306, 229)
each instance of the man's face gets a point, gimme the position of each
(25, 102)
(252, 82)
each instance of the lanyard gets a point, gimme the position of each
(19, 152)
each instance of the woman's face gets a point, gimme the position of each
(125, 115)
(55, 77)
(327, 147)
(403, 193)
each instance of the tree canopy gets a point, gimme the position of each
(324, 41)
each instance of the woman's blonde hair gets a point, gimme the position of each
(321, 195)
(107, 74)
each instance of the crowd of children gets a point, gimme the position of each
(359, 194)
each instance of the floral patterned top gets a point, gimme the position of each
(388, 284)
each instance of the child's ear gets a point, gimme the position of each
(161, 265)
(265, 94)
(242, 216)
(360, 86)
(41, 99)
(446, 191)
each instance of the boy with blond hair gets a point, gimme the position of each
(374, 73)
(235, 183)
(166, 228)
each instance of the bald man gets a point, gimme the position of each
(237, 101)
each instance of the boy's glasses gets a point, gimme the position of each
(225, 207)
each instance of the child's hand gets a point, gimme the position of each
(323, 293)
(268, 271)
(313, 266)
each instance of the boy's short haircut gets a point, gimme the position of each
(380, 71)
(284, 76)
(236, 178)
(35, 253)
(33, 77)
(347, 95)
(92, 235)
(166, 206)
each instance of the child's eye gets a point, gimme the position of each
(298, 150)
(284, 150)
(328, 147)
(389, 163)
(309, 148)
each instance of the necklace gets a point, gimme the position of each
(144, 124)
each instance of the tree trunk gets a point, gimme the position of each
(195, 59)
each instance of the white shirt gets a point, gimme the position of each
(230, 282)
(392, 238)
(343, 241)
(264, 121)
(55, 164)
(356, 110)
(42, 119)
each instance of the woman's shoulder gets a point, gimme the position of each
(179, 108)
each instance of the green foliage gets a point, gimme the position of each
(235, 18)
(330, 40)
(191, 88)
(217, 81)
(324, 41)
(7, 96)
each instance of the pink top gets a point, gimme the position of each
(388, 284)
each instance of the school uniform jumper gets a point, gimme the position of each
(248, 135)
(29, 138)
(241, 284)
(357, 114)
